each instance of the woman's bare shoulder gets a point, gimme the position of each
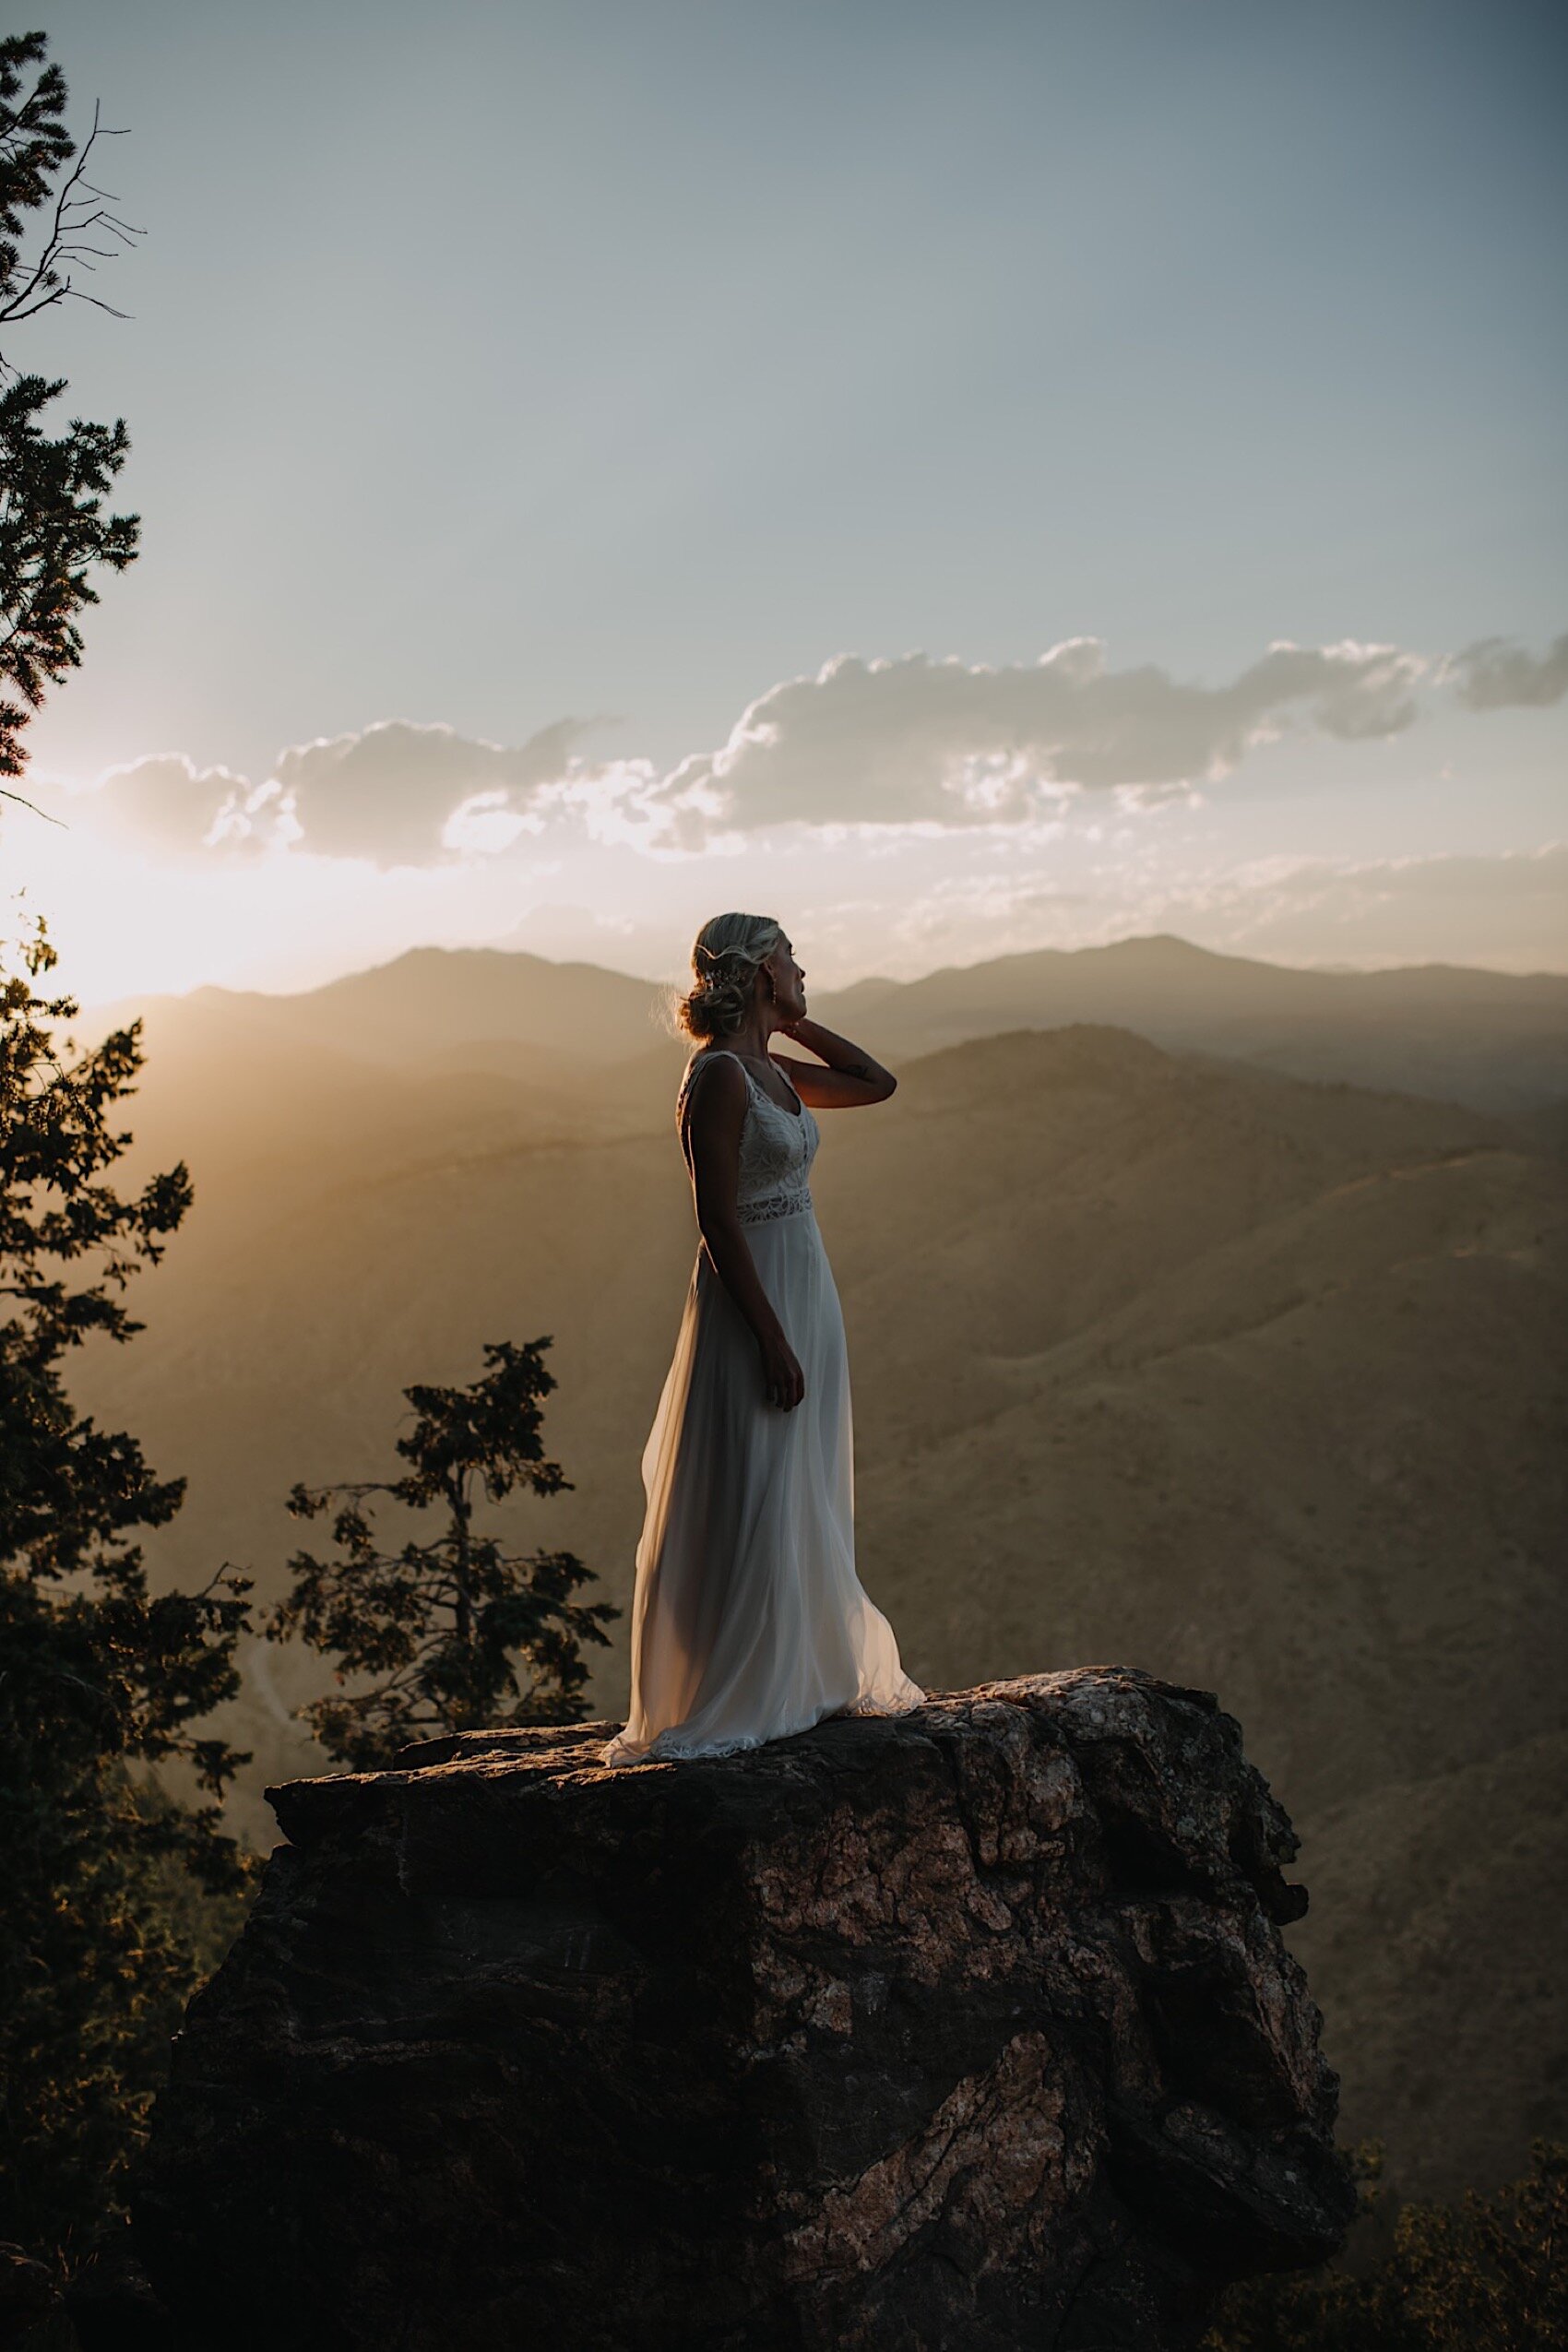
(713, 1078)
(715, 1057)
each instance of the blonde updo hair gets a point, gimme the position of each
(726, 956)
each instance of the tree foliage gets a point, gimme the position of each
(112, 1887)
(54, 530)
(1489, 2275)
(104, 1679)
(454, 1629)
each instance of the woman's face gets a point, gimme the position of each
(788, 983)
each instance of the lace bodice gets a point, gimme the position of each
(778, 1148)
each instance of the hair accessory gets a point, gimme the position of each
(712, 956)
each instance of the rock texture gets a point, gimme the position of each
(971, 2029)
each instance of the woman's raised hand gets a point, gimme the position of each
(784, 1382)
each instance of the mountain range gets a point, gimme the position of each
(1496, 1041)
(1168, 1358)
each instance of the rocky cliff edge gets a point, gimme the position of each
(971, 2028)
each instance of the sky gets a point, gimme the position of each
(957, 478)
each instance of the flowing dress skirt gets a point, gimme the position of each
(749, 1621)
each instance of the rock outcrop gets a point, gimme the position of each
(967, 2029)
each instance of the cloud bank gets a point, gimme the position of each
(940, 743)
(395, 795)
(913, 745)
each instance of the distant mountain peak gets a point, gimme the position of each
(1162, 942)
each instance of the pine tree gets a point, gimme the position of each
(101, 1679)
(114, 1891)
(54, 528)
(454, 1631)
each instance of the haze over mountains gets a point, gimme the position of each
(1492, 1039)
(1496, 1040)
(1159, 1356)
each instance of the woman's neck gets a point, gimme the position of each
(753, 1036)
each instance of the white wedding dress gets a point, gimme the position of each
(749, 1621)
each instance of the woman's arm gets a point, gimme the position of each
(850, 1077)
(716, 1113)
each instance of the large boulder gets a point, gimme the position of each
(972, 2028)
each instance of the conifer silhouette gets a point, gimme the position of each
(456, 1632)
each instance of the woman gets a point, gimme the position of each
(749, 1621)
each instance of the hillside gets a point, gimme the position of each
(1252, 1383)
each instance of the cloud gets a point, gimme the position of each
(390, 794)
(169, 803)
(395, 794)
(1497, 675)
(941, 743)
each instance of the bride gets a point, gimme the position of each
(748, 1621)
